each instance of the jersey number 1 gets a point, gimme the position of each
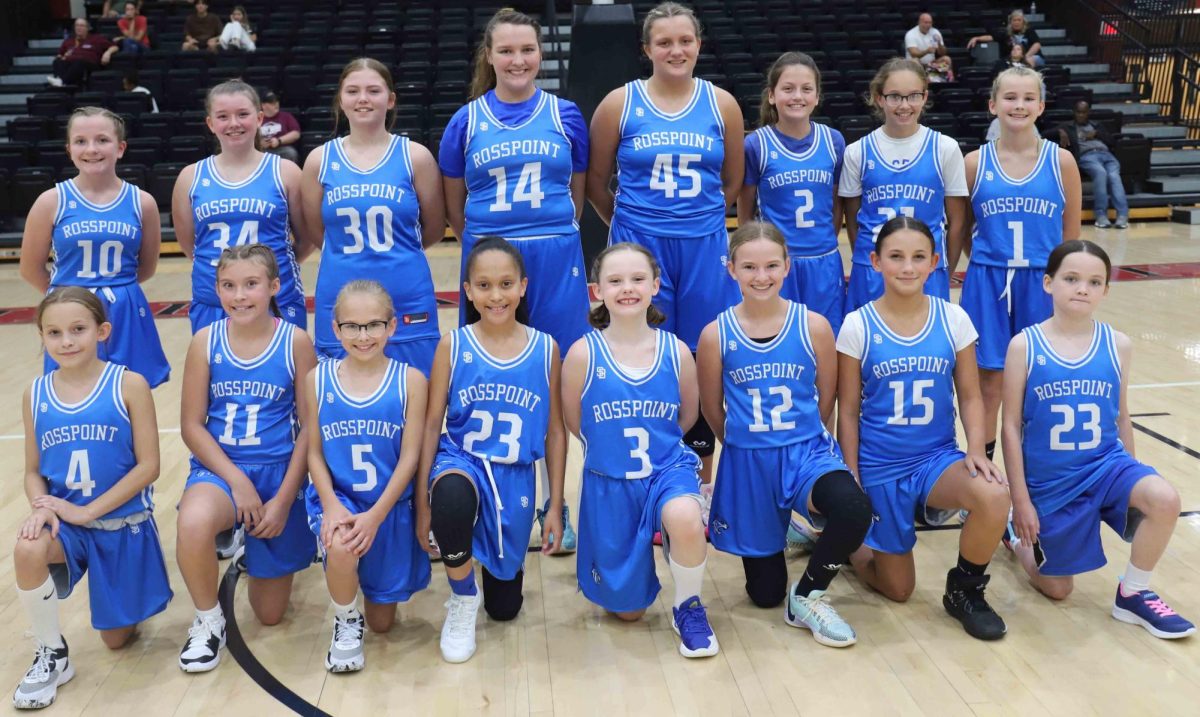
(777, 422)
(528, 189)
(109, 259)
(231, 412)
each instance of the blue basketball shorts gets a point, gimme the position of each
(134, 341)
(819, 282)
(617, 522)
(506, 494)
(289, 552)
(394, 567)
(127, 576)
(758, 488)
(417, 353)
(1001, 302)
(201, 315)
(899, 493)
(866, 285)
(1069, 538)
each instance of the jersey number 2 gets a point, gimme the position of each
(777, 422)
(1091, 424)
(509, 439)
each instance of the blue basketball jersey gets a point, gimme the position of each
(86, 448)
(630, 426)
(361, 436)
(771, 387)
(96, 245)
(796, 191)
(373, 230)
(1069, 421)
(252, 402)
(252, 211)
(669, 165)
(499, 409)
(907, 388)
(915, 189)
(518, 177)
(1018, 222)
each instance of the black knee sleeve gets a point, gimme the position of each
(452, 508)
(847, 513)
(502, 599)
(766, 579)
(700, 438)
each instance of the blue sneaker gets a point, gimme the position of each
(800, 539)
(569, 538)
(1147, 609)
(813, 612)
(696, 638)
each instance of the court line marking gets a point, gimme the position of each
(1177, 384)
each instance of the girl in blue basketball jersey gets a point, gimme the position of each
(513, 162)
(629, 392)
(901, 169)
(364, 416)
(104, 233)
(238, 417)
(1025, 200)
(767, 370)
(373, 203)
(792, 171)
(240, 196)
(495, 383)
(902, 359)
(91, 455)
(1068, 448)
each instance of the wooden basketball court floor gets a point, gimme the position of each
(563, 656)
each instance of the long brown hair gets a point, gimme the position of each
(363, 63)
(599, 316)
(484, 76)
(767, 114)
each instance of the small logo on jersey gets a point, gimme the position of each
(135, 529)
(595, 572)
(329, 397)
(724, 260)
(988, 176)
(732, 345)
(142, 312)
(878, 339)
(291, 311)
(410, 319)
(205, 183)
(600, 372)
(72, 204)
(870, 164)
(874, 517)
(335, 166)
(1041, 360)
(774, 154)
(524, 501)
(217, 359)
(44, 408)
(639, 112)
(483, 126)
(468, 357)
(718, 526)
(574, 271)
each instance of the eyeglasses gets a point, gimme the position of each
(351, 330)
(893, 99)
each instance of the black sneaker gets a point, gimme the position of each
(51, 667)
(202, 651)
(965, 602)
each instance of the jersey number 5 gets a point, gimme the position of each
(662, 175)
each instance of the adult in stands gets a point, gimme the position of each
(130, 83)
(924, 42)
(280, 130)
(134, 37)
(114, 8)
(1016, 58)
(238, 33)
(1092, 146)
(79, 54)
(201, 30)
(1016, 32)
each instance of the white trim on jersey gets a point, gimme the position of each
(531, 342)
(711, 92)
(930, 321)
(337, 145)
(74, 193)
(335, 384)
(210, 164)
(117, 396)
(219, 339)
(697, 90)
(487, 113)
(84, 403)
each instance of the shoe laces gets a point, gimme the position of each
(1155, 603)
(43, 656)
(202, 629)
(820, 609)
(973, 596)
(693, 618)
(460, 618)
(347, 632)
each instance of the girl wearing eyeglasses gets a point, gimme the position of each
(901, 168)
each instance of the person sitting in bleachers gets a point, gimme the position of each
(280, 130)
(1092, 146)
(1016, 32)
(201, 30)
(238, 34)
(134, 37)
(924, 42)
(129, 83)
(79, 54)
(112, 8)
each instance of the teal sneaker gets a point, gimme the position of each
(569, 540)
(800, 539)
(816, 614)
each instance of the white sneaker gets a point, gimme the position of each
(346, 649)
(51, 667)
(54, 81)
(202, 651)
(706, 495)
(458, 632)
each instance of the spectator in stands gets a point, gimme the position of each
(238, 34)
(112, 8)
(79, 54)
(134, 37)
(1092, 146)
(280, 131)
(201, 30)
(1016, 58)
(924, 42)
(1017, 32)
(130, 84)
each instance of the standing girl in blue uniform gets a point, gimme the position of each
(238, 418)
(901, 169)
(364, 416)
(677, 144)
(105, 236)
(792, 170)
(1025, 200)
(1068, 448)
(495, 383)
(902, 359)
(240, 196)
(768, 374)
(629, 392)
(373, 202)
(91, 455)
(513, 165)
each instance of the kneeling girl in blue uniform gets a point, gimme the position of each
(1068, 447)
(902, 358)
(629, 392)
(91, 453)
(768, 377)
(495, 382)
(364, 415)
(238, 418)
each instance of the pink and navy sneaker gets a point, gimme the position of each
(1147, 609)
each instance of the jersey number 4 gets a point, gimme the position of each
(248, 234)
(528, 188)
(664, 171)
(79, 474)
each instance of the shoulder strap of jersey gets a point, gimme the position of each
(201, 169)
(547, 351)
(115, 374)
(724, 335)
(472, 120)
(593, 356)
(36, 396)
(632, 90)
(215, 339)
(933, 143)
(400, 369)
(1052, 160)
(135, 199)
(320, 378)
(287, 339)
(985, 153)
(710, 93)
(1109, 340)
(1033, 344)
(556, 116)
(61, 190)
(669, 352)
(327, 156)
(275, 167)
(802, 329)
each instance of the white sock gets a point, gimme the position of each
(1135, 579)
(41, 605)
(543, 480)
(213, 612)
(688, 581)
(345, 611)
